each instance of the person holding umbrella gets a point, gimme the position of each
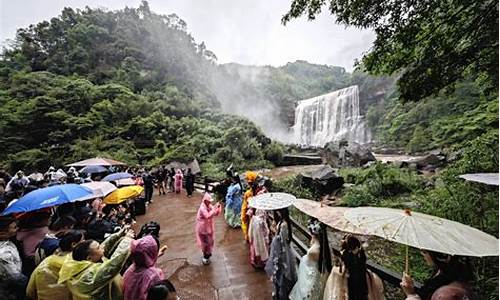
(450, 280)
(352, 279)
(440, 241)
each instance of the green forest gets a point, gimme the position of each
(129, 84)
(135, 85)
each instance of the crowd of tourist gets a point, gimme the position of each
(83, 249)
(88, 249)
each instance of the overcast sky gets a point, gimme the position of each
(243, 31)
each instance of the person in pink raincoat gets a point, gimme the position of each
(178, 181)
(143, 273)
(205, 226)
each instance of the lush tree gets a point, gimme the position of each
(432, 45)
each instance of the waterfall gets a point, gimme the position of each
(330, 117)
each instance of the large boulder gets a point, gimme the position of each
(300, 159)
(428, 162)
(323, 180)
(346, 154)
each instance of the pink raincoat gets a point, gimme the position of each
(178, 181)
(142, 274)
(205, 227)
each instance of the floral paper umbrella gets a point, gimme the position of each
(272, 201)
(332, 216)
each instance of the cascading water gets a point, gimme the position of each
(330, 117)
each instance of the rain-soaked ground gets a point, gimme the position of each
(229, 276)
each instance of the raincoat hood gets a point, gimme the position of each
(207, 198)
(71, 268)
(142, 274)
(144, 252)
(250, 176)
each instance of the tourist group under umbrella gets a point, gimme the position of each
(122, 194)
(47, 197)
(413, 229)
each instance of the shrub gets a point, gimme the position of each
(291, 185)
(274, 152)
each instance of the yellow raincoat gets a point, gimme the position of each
(245, 220)
(43, 281)
(102, 281)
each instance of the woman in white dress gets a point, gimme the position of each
(314, 266)
(352, 280)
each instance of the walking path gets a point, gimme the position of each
(229, 276)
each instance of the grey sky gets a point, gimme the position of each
(243, 31)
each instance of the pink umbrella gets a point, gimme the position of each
(97, 161)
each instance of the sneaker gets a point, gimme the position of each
(205, 261)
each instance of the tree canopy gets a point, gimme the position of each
(431, 45)
(129, 84)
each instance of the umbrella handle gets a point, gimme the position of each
(407, 262)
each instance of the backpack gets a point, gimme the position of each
(151, 228)
(46, 248)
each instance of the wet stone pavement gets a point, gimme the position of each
(229, 276)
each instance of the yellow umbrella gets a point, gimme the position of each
(122, 194)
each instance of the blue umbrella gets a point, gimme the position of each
(117, 176)
(93, 169)
(47, 197)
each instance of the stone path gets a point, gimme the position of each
(229, 276)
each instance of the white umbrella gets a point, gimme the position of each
(100, 189)
(272, 201)
(486, 178)
(332, 216)
(125, 181)
(423, 231)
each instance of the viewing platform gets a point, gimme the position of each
(229, 276)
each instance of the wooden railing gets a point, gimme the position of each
(389, 276)
(199, 184)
